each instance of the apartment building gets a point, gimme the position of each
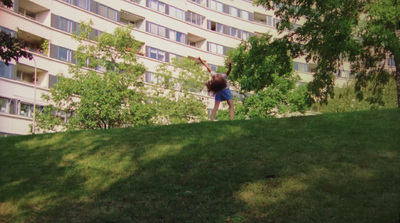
(167, 28)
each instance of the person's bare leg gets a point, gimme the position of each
(215, 109)
(231, 109)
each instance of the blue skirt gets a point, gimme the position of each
(223, 95)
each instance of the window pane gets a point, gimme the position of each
(153, 53)
(62, 54)
(220, 49)
(244, 15)
(213, 48)
(153, 4)
(112, 14)
(180, 14)
(172, 11)
(3, 105)
(220, 7)
(233, 11)
(161, 7)
(219, 28)
(83, 4)
(65, 25)
(161, 31)
(172, 35)
(269, 20)
(26, 110)
(213, 5)
(153, 28)
(180, 37)
(161, 55)
(103, 10)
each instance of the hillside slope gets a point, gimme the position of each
(326, 168)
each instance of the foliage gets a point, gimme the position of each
(185, 109)
(12, 48)
(326, 168)
(265, 68)
(111, 99)
(8, 3)
(345, 99)
(256, 63)
(365, 33)
(187, 77)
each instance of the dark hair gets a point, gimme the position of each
(217, 83)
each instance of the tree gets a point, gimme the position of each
(365, 33)
(11, 48)
(93, 100)
(173, 97)
(266, 69)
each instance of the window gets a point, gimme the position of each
(65, 24)
(177, 36)
(390, 62)
(215, 48)
(245, 35)
(156, 54)
(217, 6)
(195, 18)
(64, 54)
(158, 6)
(276, 21)
(68, 1)
(244, 15)
(3, 105)
(302, 67)
(26, 109)
(233, 11)
(233, 32)
(176, 13)
(6, 71)
(156, 29)
(8, 31)
(108, 12)
(213, 67)
(214, 26)
(85, 4)
(269, 20)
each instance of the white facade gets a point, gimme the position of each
(168, 28)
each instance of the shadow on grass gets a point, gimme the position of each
(325, 169)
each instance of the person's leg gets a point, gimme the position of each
(215, 109)
(231, 109)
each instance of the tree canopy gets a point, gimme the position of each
(364, 33)
(11, 48)
(92, 99)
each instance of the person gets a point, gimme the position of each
(219, 86)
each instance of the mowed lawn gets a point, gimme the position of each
(327, 168)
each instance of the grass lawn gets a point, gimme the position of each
(327, 168)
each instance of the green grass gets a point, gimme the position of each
(329, 168)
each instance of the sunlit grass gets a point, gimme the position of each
(328, 168)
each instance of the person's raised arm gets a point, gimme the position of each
(204, 63)
(229, 67)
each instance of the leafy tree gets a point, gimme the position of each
(11, 48)
(265, 68)
(93, 100)
(7, 3)
(364, 32)
(173, 97)
(345, 99)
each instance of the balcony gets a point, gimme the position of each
(195, 41)
(128, 18)
(34, 43)
(33, 11)
(26, 74)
